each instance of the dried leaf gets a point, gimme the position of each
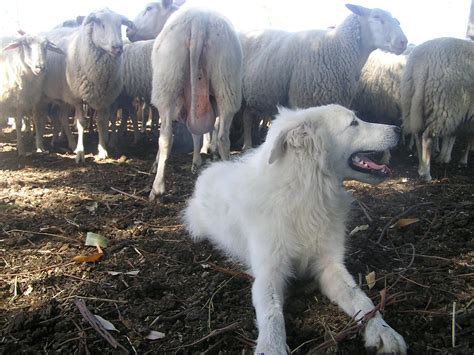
(370, 278)
(94, 239)
(154, 335)
(88, 258)
(114, 273)
(363, 227)
(92, 207)
(404, 222)
(105, 323)
(28, 290)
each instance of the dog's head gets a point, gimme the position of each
(333, 139)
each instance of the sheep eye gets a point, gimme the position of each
(354, 122)
(148, 9)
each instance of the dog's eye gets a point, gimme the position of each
(354, 122)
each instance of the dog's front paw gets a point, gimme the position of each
(271, 349)
(380, 337)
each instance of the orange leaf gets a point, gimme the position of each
(88, 258)
(404, 222)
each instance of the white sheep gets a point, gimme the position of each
(437, 94)
(22, 67)
(313, 68)
(91, 72)
(150, 21)
(377, 98)
(137, 75)
(197, 68)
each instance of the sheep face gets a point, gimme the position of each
(383, 29)
(151, 20)
(33, 52)
(105, 30)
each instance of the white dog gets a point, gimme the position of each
(281, 210)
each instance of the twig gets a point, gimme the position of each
(363, 207)
(394, 219)
(214, 333)
(95, 299)
(42, 233)
(39, 270)
(354, 325)
(129, 195)
(453, 326)
(89, 317)
(238, 274)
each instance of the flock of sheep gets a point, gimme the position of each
(192, 66)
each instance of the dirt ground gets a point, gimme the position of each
(199, 301)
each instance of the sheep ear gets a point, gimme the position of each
(128, 23)
(166, 3)
(80, 20)
(358, 10)
(12, 45)
(91, 18)
(54, 48)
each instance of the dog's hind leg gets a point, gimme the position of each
(268, 299)
(340, 287)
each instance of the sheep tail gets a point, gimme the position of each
(196, 47)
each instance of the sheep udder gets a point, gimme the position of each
(200, 120)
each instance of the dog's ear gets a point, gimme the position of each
(300, 137)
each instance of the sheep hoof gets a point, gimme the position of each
(80, 158)
(194, 168)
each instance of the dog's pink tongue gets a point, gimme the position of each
(366, 163)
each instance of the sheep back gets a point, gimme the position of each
(137, 73)
(437, 90)
(220, 60)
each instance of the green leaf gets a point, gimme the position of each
(94, 239)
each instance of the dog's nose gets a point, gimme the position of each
(397, 129)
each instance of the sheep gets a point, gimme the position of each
(315, 67)
(137, 74)
(91, 71)
(197, 69)
(437, 94)
(377, 98)
(150, 21)
(22, 68)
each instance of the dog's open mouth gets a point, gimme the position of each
(360, 161)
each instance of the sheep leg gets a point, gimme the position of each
(80, 123)
(102, 127)
(268, 300)
(465, 156)
(197, 161)
(447, 144)
(165, 142)
(206, 143)
(19, 136)
(64, 121)
(247, 119)
(223, 132)
(135, 116)
(38, 120)
(113, 141)
(425, 157)
(339, 286)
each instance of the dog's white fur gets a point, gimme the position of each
(281, 210)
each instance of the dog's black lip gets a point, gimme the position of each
(377, 173)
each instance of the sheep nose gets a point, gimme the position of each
(397, 129)
(403, 43)
(117, 50)
(131, 32)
